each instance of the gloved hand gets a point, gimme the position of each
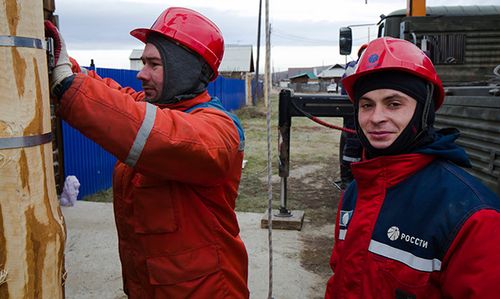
(76, 68)
(62, 68)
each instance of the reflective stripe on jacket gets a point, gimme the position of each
(174, 188)
(415, 226)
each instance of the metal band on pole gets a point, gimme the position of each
(20, 41)
(25, 141)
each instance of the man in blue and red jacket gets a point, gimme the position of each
(413, 224)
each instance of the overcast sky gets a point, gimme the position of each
(304, 33)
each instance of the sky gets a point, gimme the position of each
(303, 33)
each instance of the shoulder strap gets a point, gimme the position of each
(216, 104)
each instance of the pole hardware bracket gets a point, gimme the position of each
(25, 141)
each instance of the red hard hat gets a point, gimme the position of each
(386, 54)
(192, 30)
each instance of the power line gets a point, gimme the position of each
(279, 34)
(294, 37)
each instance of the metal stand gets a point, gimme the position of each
(295, 105)
(283, 211)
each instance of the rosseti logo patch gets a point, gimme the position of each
(393, 233)
(345, 217)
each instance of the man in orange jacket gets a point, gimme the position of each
(180, 155)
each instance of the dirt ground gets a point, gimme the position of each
(313, 169)
(93, 267)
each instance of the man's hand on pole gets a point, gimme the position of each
(62, 68)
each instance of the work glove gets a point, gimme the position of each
(76, 68)
(62, 69)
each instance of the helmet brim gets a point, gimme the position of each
(141, 34)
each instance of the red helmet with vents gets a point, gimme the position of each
(190, 29)
(386, 54)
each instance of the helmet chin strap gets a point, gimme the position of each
(425, 115)
(427, 106)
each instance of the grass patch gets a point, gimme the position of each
(101, 196)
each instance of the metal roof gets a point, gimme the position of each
(335, 70)
(309, 75)
(292, 71)
(237, 58)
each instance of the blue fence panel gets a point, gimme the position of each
(86, 160)
(92, 165)
(215, 87)
(123, 77)
(234, 94)
(230, 91)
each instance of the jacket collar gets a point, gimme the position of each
(394, 169)
(186, 104)
(388, 170)
(444, 147)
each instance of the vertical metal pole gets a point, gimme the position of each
(284, 212)
(284, 124)
(257, 62)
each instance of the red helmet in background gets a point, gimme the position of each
(192, 30)
(386, 54)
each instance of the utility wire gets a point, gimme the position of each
(323, 123)
(285, 35)
(298, 38)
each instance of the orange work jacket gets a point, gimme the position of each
(174, 188)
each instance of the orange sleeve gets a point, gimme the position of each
(137, 96)
(198, 147)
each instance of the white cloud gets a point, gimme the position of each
(111, 58)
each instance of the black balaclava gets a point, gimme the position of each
(419, 130)
(185, 74)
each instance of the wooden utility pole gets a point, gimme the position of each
(257, 61)
(32, 230)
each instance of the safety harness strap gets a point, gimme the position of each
(217, 104)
